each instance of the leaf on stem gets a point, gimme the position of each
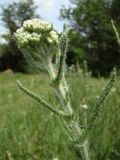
(40, 100)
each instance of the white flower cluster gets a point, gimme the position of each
(37, 25)
(25, 38)
(35, 32)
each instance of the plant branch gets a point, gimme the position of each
(100, 100)
(116, 32)
(63, 46)
(40, 100)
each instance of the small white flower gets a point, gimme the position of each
(53, 37)
(84, 106)
(113, 90)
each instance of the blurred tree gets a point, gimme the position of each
(92, 36)
(13, 16)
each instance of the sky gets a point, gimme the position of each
(47, 9)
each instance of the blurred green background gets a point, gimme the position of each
(29, 131)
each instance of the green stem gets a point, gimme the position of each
(116, 32)
(82, 151)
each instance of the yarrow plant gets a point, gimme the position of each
(39, 43)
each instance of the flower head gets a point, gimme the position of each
(34, 33)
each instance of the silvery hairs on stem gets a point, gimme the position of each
(39, 43)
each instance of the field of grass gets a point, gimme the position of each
(29, 131)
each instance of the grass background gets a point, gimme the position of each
(28, 131)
